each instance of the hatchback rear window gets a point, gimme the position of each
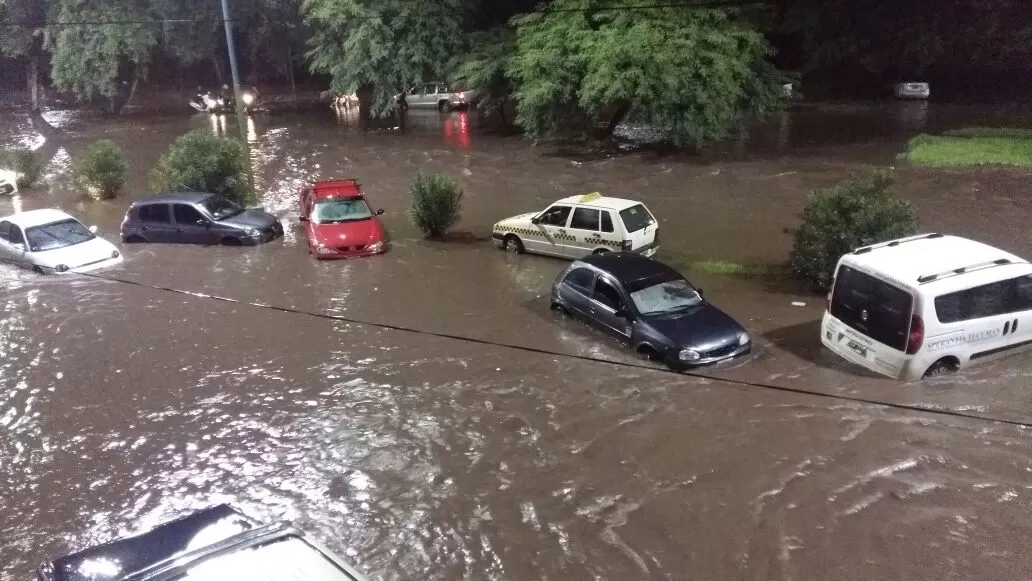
(636, 218)
(873, 307)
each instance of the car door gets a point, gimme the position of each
(575, 291)
(1021, 305)
(156, 223)
(552, 225)
(192, 227)
(584, 235)
(12, 244)
(609, 309)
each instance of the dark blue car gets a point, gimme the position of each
(651, 307)
(216, 544)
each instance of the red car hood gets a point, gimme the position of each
(363, 232)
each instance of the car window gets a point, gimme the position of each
(154, 213)
(580, 278)
(186, 214)
(585, 219)
(429, 89)
(555, 216)
(13, 234)
(606, 294)
(607, 221)
(988, 300)
(5, 231)
(636, 218)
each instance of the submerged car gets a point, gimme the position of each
(50, 241)
(339, 222)
(197, 218)
(436, 95)
(912, 91)
(650, 306)
(577, 226)
(215, 544)
(8, 182)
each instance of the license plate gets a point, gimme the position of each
(858, 348)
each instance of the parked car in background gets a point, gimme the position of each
(8, 182)
(436, 95)
(651, 307)
(50, 241)
(577, 226)
(197, 218)
(339, 222)
(913, 91)
(928, 305)
(215, 544)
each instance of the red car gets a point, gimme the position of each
(339, 222)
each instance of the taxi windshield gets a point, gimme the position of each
(336, 210)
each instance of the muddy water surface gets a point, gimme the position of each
(419, 456)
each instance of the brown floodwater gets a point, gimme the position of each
(417, 456)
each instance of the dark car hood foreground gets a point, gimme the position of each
(251, 219)
(705, 327)
(164, 542)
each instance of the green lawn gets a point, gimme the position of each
(973, 146)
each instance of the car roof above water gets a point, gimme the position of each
(629, 267)
(337, 188)
(606, 202)
(36, 217)
(170, 197)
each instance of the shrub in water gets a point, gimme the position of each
(436, 203)
(101, 169)
(840, 219)
(202, 162)
(24, 163)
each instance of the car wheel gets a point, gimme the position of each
(601, 251)
(445, 106)
(647, 353)
(513, 244)
(942, 368)
(559, 308)
(231, 242)
(38, 270)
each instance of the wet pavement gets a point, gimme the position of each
(421, 456)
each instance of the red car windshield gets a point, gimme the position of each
(334, 210)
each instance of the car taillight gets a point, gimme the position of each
(916, 338)
(626, 245)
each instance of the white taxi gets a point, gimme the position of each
(577, 226)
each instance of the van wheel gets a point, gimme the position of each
(943, 368)
(513, 244)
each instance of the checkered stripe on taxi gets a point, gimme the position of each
(532, 232)
(519, 231)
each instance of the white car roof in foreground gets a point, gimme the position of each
(36, 217)
(908, 259)
(600, 202)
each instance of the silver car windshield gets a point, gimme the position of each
(666, 297)
(57, 235)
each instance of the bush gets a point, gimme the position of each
(25, 163)
(202, 162)
(436, 203)
(101, 170)
(838, 220)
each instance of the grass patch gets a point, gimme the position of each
(1010, 132)
(737, 269)
(937, 150)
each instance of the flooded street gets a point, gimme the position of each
(490, 438)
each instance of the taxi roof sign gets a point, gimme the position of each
(590, 197)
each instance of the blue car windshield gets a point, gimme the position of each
(666, 297)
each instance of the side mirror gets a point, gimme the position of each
(535, 220)
(93, 229)
(623, 313)
(699, 290)
(379, 212)
(302, 218)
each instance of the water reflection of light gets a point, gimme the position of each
(218, 124)
(252, 131)
(16, 202)
(346, 115)
(456, 130)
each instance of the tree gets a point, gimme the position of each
(92, 60)
(24, 38)
(379, 47)
(693, 72)
(485, 67)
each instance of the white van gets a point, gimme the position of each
(928, 305)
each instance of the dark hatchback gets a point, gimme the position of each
(215, 544)
(647, 304)
(197, 218)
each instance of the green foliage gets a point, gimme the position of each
(87, 60)
(838, 220)
(436, 203)
(1014, 132)
(202, 162)
(693, 72)
(937, 150)
(101, 169)
(386, 45)
(484, 67)
(25, 163)
(16, 41)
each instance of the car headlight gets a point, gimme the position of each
(688, 355)
(115, 254)
(247, 98)
(376, 246)
(254, 233)
(743, 338)
(61, 268)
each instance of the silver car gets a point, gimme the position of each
(436, 95)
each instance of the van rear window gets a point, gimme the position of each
(873, 307)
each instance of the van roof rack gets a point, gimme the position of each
(895, 243)
(964, 270)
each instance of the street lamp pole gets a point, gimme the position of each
(241, 112)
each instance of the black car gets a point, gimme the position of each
(652, 307)
(197, 218)
(215, 544)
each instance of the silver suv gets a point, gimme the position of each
(436, 95)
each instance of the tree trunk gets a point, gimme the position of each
(132, 89)
(32, 74)
(615, 120)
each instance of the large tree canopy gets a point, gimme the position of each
(386, 45)
(695, 72)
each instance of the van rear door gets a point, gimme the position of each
(868, 321)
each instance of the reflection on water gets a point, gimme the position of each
(456, 130)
